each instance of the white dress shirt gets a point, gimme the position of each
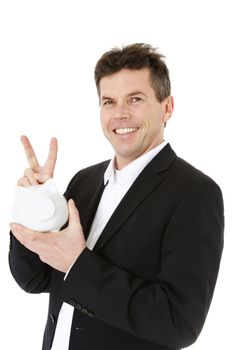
(117, 183)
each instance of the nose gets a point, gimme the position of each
(121, 111)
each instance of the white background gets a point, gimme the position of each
(48, 50)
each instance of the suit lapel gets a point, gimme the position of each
(93, 194)
(145, 183)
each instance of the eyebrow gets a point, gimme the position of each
(106, 98)
(133, 93)
(136, 92)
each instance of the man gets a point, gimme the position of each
(136, 265)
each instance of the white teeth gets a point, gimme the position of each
(122, 131)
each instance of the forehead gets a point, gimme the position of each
(126, 81)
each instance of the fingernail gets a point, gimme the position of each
(71, 201)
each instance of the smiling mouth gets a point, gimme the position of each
(124, 131)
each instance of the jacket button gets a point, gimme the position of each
(78, 329)
(90, 314)
(78, 306)
(52, 318)
(72, 302)
(84, 311)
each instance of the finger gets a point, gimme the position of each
(23, 182)
(30, 154)
(30, 175)
(42, 178)
(74, 218)
(22, 233)
(27, 239)
(52, 157)
(31, 239)
(39, 244)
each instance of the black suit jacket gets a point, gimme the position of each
(149, 280)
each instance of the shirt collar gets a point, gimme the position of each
(133, 169)
(109, 172)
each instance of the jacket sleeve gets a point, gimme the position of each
(171, 309)
(27, 269)
(31, 274)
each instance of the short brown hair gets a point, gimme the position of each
(136, 56)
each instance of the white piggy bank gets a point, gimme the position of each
(40, 207)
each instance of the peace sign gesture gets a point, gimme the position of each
(37, 174)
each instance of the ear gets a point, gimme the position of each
(168, 108)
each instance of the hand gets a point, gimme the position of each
(58, 249)
(37, 174)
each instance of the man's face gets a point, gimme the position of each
(132, 119)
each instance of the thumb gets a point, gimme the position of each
(42, 178)
(74, 218)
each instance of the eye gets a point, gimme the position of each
(107, 103)
(135, 99)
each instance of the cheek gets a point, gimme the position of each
(104, 122)
(153, 126)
